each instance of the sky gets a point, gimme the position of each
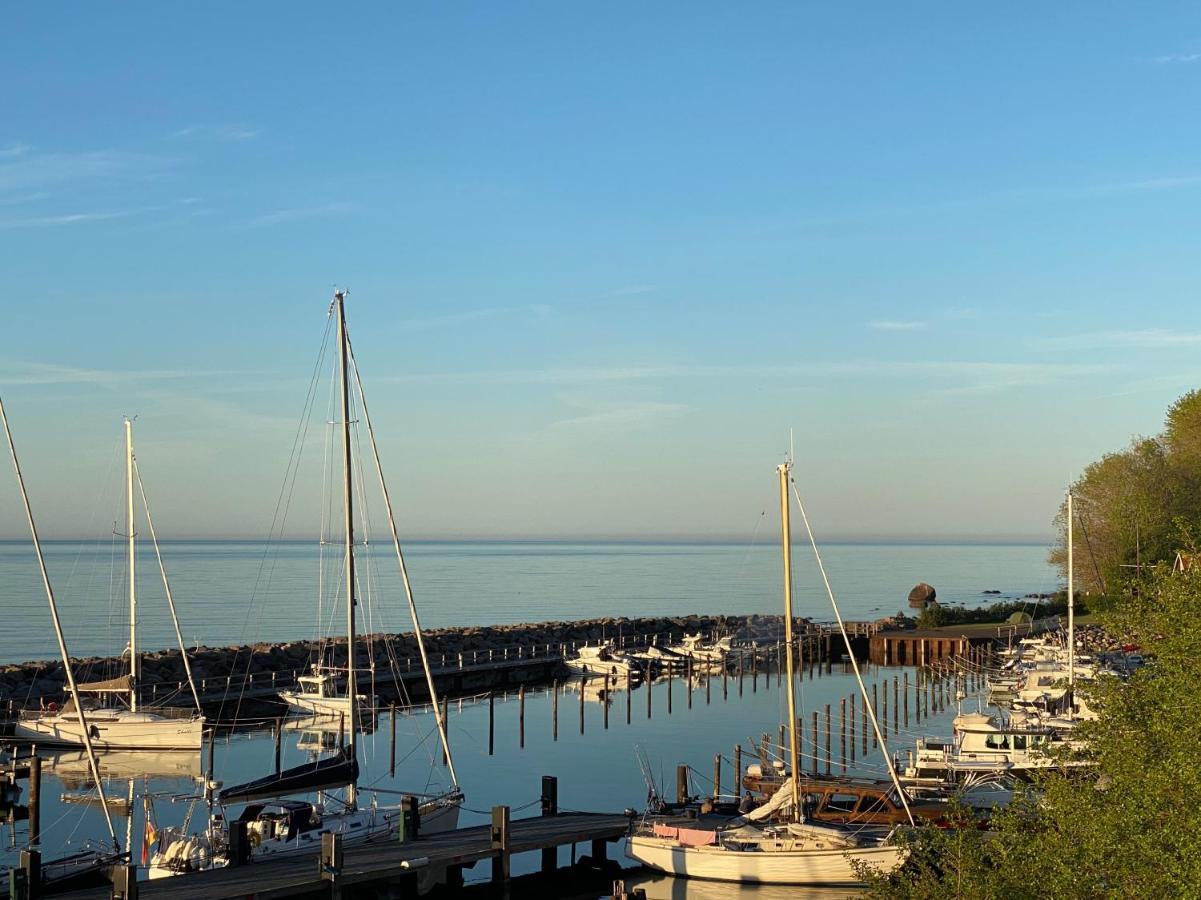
(600, 258)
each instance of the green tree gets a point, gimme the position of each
(1127, 828)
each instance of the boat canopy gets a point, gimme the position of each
(332, 771)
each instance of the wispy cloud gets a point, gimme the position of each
(1171, 58)
(17, 372)
(12, 151)
(70, 218)
(622, 416)
(893, 325)
(297, 214)
(1136, 338)
(216, 132)
(954, 375)
(31, 171)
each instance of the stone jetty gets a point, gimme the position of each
(32, 683)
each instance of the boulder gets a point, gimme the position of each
(922, 595)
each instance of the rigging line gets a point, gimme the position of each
(1092, 556)
(183, 650)
(404, 572)
(292, 470)
(58, 630)
(851, 653)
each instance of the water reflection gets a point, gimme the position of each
(664, 887)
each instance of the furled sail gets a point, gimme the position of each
(332, 771)
(121, 685)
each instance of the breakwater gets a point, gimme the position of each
(463, 659)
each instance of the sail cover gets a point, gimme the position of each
(333, 771)
(120, 685)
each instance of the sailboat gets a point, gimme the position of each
(278, 826)
(131, 727)
(773, 844)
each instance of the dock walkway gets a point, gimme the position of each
(381, 863)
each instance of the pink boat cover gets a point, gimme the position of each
(689, 837)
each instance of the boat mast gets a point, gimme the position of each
(58, 633)
(1071, 613)
(794, 749)
(352, 686)
(134, 662)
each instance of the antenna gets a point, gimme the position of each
(791, 447)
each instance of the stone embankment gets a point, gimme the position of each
(30, 683)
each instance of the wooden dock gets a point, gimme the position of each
(926, 646)
(390, 865)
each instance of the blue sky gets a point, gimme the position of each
(601, 258)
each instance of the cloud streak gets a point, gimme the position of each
(1176, 58)
(953, 374)
(70, 218)
(1137, 338)
(30, 171)
(894, 325)
(14, 372)
(297, 214)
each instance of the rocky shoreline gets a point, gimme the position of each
(29, 683)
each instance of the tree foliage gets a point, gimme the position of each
(1128, 828)
(1136, 507)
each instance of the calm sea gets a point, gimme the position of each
(239, 592)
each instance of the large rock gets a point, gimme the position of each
(922, 595)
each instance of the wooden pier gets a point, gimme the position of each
(925, 646)
(391, 867)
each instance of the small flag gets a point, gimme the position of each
(150, 835)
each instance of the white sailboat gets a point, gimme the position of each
(761, 849)
(132, 727)
(276, 826)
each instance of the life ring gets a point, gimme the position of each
(52, 706)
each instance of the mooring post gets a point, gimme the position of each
(875, 707)
(690, 682)
(35, 801)
(500, 843)
(708, 687)
(491, 724)
(783, 745)
(884, 716)
(671, 671)
(725, 674)
(814, 743)
(629, 694)
(755, 672)
(738, 770)
(905, 694)
(550, 807)
(124, 877)
(895, 711)
(410, 819)
(606, 699)
(279, 740)
(25, 881)
(212, 751)
(554, 709)
(829, 743)
(392, 743)
(682, 783)
(520, 717)
(650, 691)
(330, 863)
(852, 729)
(239, 844)
(583, 682)
(716, 777)
(842, 728)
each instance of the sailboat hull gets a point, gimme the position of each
(799, 867)
(112, 730)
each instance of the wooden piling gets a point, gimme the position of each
(852, 717)
(491, 726)
(278, 734)
(842, 729)
(550, 807)
(814, 742)
(501, 843)
(629, 694)
(35, 801)
(681, 783)
(741, 669)
(875, 708)
(670, 684)
(738, 770)
(520, 716)
(392, 745)
(829, 744)
(554, 710)
(607, 699)
(884, 714)
(716, 777)
(583, 682)
(906, 695)
(895, 710)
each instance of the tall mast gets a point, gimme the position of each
(134, 661)
(84, 731)
(352, 682)
(794, 744)
(1071, 612)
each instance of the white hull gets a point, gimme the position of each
(797, 867)
(326, 706)
(112, 730)
(359, 827)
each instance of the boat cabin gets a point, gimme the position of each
(321, 686)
